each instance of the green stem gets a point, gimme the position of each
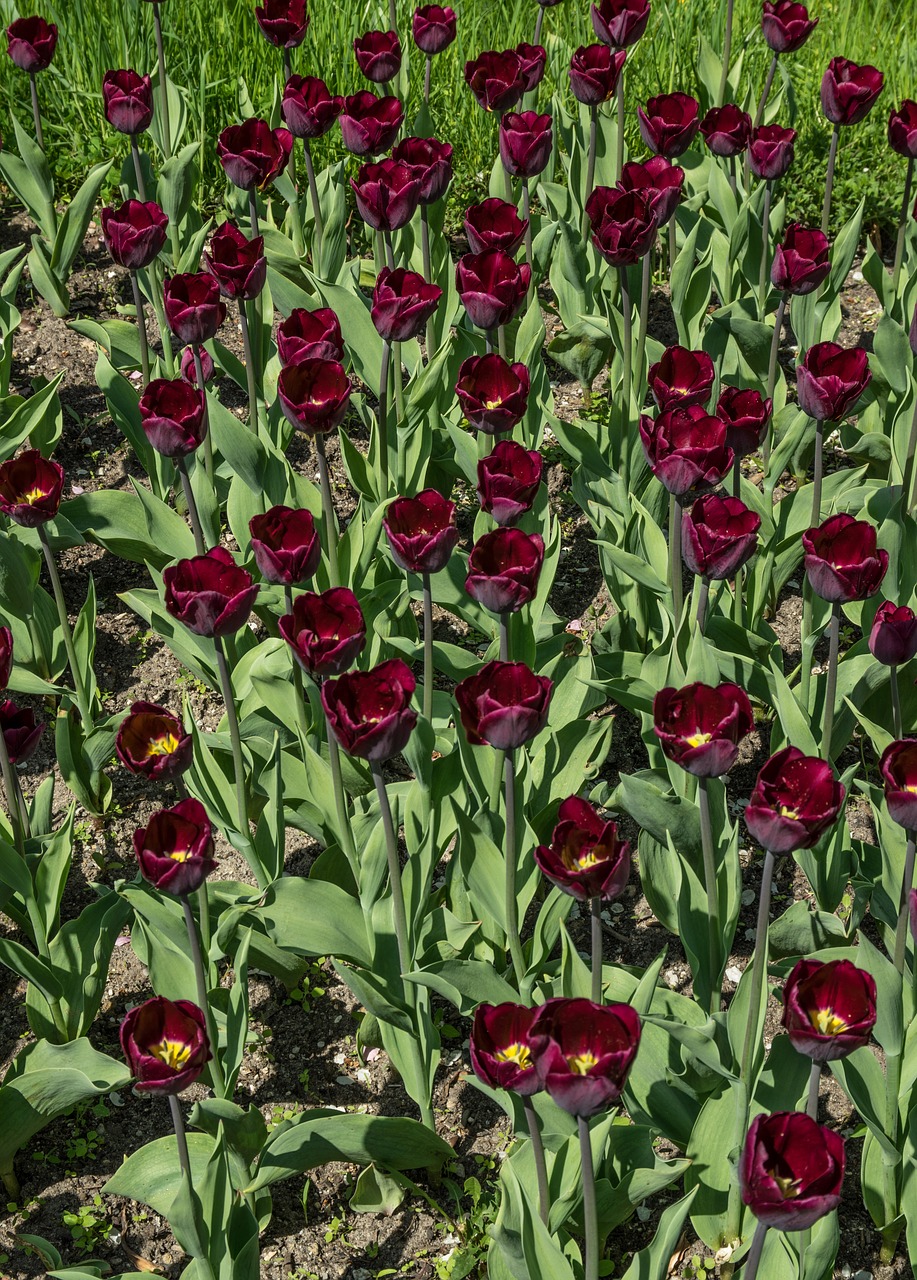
(762, 103)
(727, 53)
(200, 546)
(394, 871)
(806, 645)
(910, 471)
(202, 387)
(331, 531)
(619, 104)
(82, 700)
(673, 246)
(165, 333)
(764, 274)
(890, 1171)
(287, 65)
(675, 581)
(504, 637)
(12, 798)
(896, 701)
(902, 226)
(138, 169)
(203, 911)
(496, 783)
(342, 812)
(501, 341)
(180, 1138)
(238, 762)
(834, 630)
(590, 164)
(759, 970)
(829, 179)
(814, 1082)
(596, 920)
(203, 999)
(628, 342)
(703, 597)
(643, 323)
(907, 883)
(427, 272)
(510, 898)
(590, 1215)
(427, 73)
(249, 368)
(141, 329)
(754, 1253)
(301, 700)
(541, 1172)
(818, 472)
(713, 911)
(772, 369)
(382, 413)
(163, 88)
(36, 113)
(427, 650)
(319, 226)
(529, 240)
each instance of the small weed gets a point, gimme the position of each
(88, 1230)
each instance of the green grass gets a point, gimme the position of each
(216, 52)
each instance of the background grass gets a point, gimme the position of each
(216, 52)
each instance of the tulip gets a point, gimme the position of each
(893, 638)
(786, 25)
(658, 182)
(127, 100)
(504, 705)
(236, 263)
(496, 80)
(686, 449)
(770, 151)
(502, 1054)
(327, 632)
(830, 380)
(898, 767)
(369, 712)
(746, 414)
(701, 727)
(594, 73)
(586, 857)
(791, 1171)
(421, 531)
(433, 27)
(31, 43)
(286, 546)
(432, 162)
(508, 480)
(585, 1052)
(308, 108)
(829, 1010)
(492, 393)
(194, 311)
(172, 417)
(795, 800)
(841, 559)
(849, 92)
(504, 568)
(188, 368)
(378, 55)
(681, 378)
(525, 143)
(802, 262)
(491, 286)
(175, 849)
(669, 123)
(314, 394)
(623, 225)
(494, 224)
(134, 233)
(532, 61)
(902, 129)
(6, 656)
(209, 594)
(726, 130)
(403, 302)
(387, 194)
(153, 743)
(283, 22)
(30, 488)
(253, 154)
(20, 733)
(310, 335)
(620, 23)
(719, 536)
(370, 124)
(165, 1045)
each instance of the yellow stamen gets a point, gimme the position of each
(788, 813)
(827, 1023)
(789, 1187)
(582, 1063)
(180, 855)
(492, 404)
(34, 495)
(699, 739)
(172, 1052)
(519, 1054)
(163, 746)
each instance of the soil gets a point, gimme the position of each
(313, 1232)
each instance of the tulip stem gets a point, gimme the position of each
(834, 631)
(902, 225)
(394, 870)
(673, 245)
(644, 319)
(82, 701)
(319, 226)
(896, 701)
(539, 23)
(11, 788)
(675, 556)
(504, 637)
(301, 702)
(181, 465)
(590, 1215)
(165, 333)
(907, 883)
(382, 413)
(163, 89)
(287, 65)
(713, 910)
(238, 763)
(727, 53)
(36, 113)
(511, 901)
(890, 1184)
(427, 275)
(202, 387)
(138, 169)
(427, 74)
(590, 164)
(253, 213)
(818, 472)
(141, 329)
(703, 597)
(909, 486)
(759, 970)
(628, 353)
(814, 1082)
(619, 141)
(427, 650)
(541, 1172)
(754, 1253)
(768, 84)
(764, 274)
(772, 370)
(829, 179)
(177, 1118)
(200, 979)
(596, 919)
(392, 16)
(501, 341)
(345, 832)
(527, 216)
(249, 368)
(331, 532)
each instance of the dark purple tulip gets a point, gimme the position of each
(253, 154)
(658, 182)
(719, 535)
(746, 414)
(286, 546)
(153, 743)
(20, 732)
(492, 287)
(236, 263)
(623, 225)
(620, 23)
(314, 394)
(310, 334)
(893, 638)
(188, 369)
(830, 380)
(6, 656)
(326, 632)
(127, 99)
(898, 767)
(681, 378)
(493, 395)
(504, 705)
(494, 224)
(432, 162)
(508, 480)
(786, 25)
(496, 79)
(369, 712)
(30, 488)
(770, 151)
(686, 449)
(370, 124)
(209, 594)
(283, 22)
(842, 560)
(532, 62)
(802, 261)
(165, 1045)
(585, 1052)
(31, 43)
(421, 532)
(726, 130)
(902, 129)
(849, 92)
(669, 123)
(829, 1009)
(594, 73)
(309, 109)
(585, 858)
(795, 800)
(504, 568)
(172, 417)
(526, 139)
(378, 55)
(194, 310)
(387, 194)
(433, 27)
(175, 849)
(792, 1170)
(134, 233)
(701, 727)
(501, 1049)
(403, 302)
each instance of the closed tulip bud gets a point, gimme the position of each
(526, 139)
(829, 1010)
(492, 287)
(153, 743)
(849, 92)
(30, 488)
(504, 705)
(726, 130)
(314, 394)
(194, 311)
(326, 632)
(433, 27)
(6, 656)
(309, 109)
(283, 22)
(701, 727)
(830, 380)
(134, 233)
(175, 849)
(786, 25)
(312, 335)
(496, 79)
(494, 224)
(686, 449)
(508, 480)
(421, 532)
(209, 594)
(189, 370)
(658, 182)
(378, 55)
(493, 394)
(792, 1170)
(236, 263)
(669, 123)
(31, 42)
(431, 161)
(898, 767)
(620, 23)
(893, 638)
(127, 99)
(253, 154)
(842, 560)
(501, 1048)
(623, 225)
(387, 194)
(585, 857)
(902, 129)
(585, 1052)
(403, 302)
(681, 378)
(172, 417)
(504, 568)
(165, 1045)
(770, 151)
(369, 712)
(746, 414)
(795, 800)
(20, 731)
(286, 546)
(532, 62)
(370, 124)
(719, 536)
(594, 73)
(802, 261)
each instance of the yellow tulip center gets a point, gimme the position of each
(492, 404)
(582, 1063)
(789, 1186)
(519, 1054)
(827, 1023)
(788, 813)
(33, 496)
(699, 739)
(163, 746)
(911, 787)
(180, 855)
(172, 1052)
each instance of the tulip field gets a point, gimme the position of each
(458, 643)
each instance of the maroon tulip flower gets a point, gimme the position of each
(620, 23)
(786, 25)
(701, 727)
(31, 43)
(681, 378)
(770, 151)
(188, 369)
(370, 124)
(153, 743)
(726, 130)
(902, 129)
(669, 123)
(283, 22)
(172, 417)
(253, 154)
(236, 263)
(30, 488)
(898, 767)
(508, 480)
(594, 73)
(432, 162)
(585, 1052)
(719, 535)
(194, 311)
(501, 1048)
(421, 532)
(20, 732)
(175, 849)
(6, 656)
(209, 594)
(494, 224)
(829, 1009)
(842, 561)
(312, 335)
(286, 545)
(378, 55)
(369, 712)
(532, 62)
(492, 287)
(795, 800)
(792, 1170)
(504, 568)
(496, 79)
(387, 194)
(893, 638)
(314, 394)
(746, 414)
(623, 225)
(127, 99)
(849, 92)
(505, 705)
(433, 27)
(585, 858)
(686, 449)
(493, 394)
(802, 261)
(165, 1045)
(134, 233)
(309, 109)
(830, 380)
(658, 182)
(526, 139)
(326, 632)
(403, 302)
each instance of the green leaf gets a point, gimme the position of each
(36, 417)
(45, 281)
(177, 180)
(376, 1192)
(653, 1262)
(313, 917)
(152, 1175)
(75, 223)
